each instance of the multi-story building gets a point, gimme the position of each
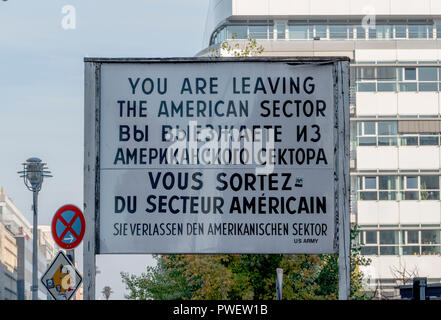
(17, 224)
(8, 264)
(395, 52)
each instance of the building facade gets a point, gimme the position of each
(21, 230)
(8, 264)
(395, 52)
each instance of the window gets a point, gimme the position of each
(429, 182)
(338, 32)
(412, 236)
(371, 237)
(299, 32)
(429, 140)
(372, 33)
(361, 32)
(384, 32)
(389, 237)
(237, 32)
(258, 32)
(369, 251)
(321, 31)
(405, 242)
(419, 32)
(428, 86)
(281, 26)
(369, 128)
(370, 183)
(409, 73)
(411, 182)
(386, 73)
(427, 74)
(430, 250)
(388, 182)
(367, 87)
(387, 128)
(411, 250)
(389, 250)
(430, 237)
(400, 32)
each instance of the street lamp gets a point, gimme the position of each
(33, 173)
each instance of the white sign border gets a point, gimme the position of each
(92, 109)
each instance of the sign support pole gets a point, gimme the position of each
(344, 239)
(91, 172)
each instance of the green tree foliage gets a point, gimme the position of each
(245, 277)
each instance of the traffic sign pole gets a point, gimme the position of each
(91, 173)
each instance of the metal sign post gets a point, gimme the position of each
(156, 182)
(343, 154)
(279, 283)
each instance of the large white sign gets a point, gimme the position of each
(218, 157)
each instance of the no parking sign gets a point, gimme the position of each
(68, 226)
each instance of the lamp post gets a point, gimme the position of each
(33, 173)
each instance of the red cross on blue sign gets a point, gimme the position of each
(68, 226)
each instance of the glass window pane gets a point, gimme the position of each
(371, 237)
(387, 141)
(410, 195)
(338, 32)
(237, 32)
(429, 195)
(361, 33)
(298, 32)
(258, 32)
(369, 251)
(428, 86)
(369, 127)
(388, 195)
(388, 251)
(384, 32)
(281, 26)
(411, 182)
(366, 73)
(430, 250)
(387, 86)
(387, 128)
(387, 182)
(429, 182)
(417, 32)
(388, 237)
(409, 141)
(372, 33)
(368, 195)
(386, 73)
(429, 140)
(400, 31)
(412, 236)
(427, 74)
(430, 237)
(367, 141)
(320, 31)
(409, 86)
(410, 74)
(370, 183)
(367, 87)
(411, 250)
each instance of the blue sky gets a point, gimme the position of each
(41, 90)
